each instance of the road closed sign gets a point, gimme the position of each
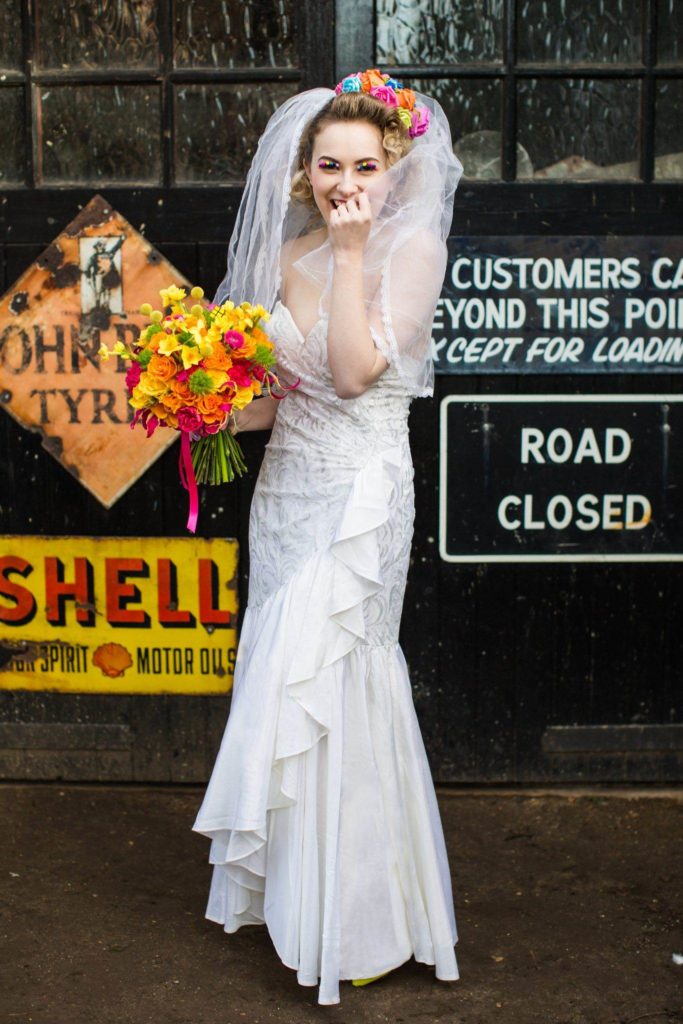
(561, 478)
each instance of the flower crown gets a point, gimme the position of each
(391, 92)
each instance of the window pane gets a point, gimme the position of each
(670, 32)
(234, 34)
(97, 34)
(217, 128)
(99, 133)
(10, 36)
(12, 149)
(580, 31)
(579, 128)
(439, 31)
(669, 129)
(472, 107)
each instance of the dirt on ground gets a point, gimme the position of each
(568, 907)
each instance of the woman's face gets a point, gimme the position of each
(347, 157)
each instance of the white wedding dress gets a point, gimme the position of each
(321, 807)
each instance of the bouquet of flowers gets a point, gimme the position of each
(191, 369)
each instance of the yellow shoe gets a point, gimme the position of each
(366, 981)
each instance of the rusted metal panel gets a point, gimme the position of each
(118, 615)
(84, 289)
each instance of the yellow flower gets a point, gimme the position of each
(139, 399)
(168, 344)
(120, 349)
(152, 386)
(172, 294)
(206, 348)
(243, 396)
(197, 332)
(156, 315)
(191, 356)
(405, 116)
(218, 378)
(104, 352)
(145, 309)
(197, 292)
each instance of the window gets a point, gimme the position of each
(541, 90)
(143, 92)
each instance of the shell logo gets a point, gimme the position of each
(112, 659)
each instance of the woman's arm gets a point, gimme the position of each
(258, 415)
(355, 362)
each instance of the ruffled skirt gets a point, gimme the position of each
(321, 808)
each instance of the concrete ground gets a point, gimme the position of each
(568, 906)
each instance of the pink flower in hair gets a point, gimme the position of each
(420, 119)
(386, 95)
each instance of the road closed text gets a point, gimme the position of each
(586, 511)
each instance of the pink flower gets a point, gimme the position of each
(239, 376)
(189, 419)
(235, 339)
(151, 424)
(133, 376)
(381, 92)
(420, 118)
(211, 428)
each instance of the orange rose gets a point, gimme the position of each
(180, 388)
(215, 417)
(162, 367)
(248, 350)
(261, 337)
(208, 404)
(218, 360)
(374, 77)
(164, 414)
(172, 401)
(406, 98)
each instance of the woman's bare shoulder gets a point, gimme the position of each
(298, 247)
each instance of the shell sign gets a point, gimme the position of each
(86, 288)
(118, 614)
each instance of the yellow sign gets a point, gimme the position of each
(118, 614)
(84, 290)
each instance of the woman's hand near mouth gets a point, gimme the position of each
(349, 227)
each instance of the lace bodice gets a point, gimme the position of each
(306, 357)
(319, 449)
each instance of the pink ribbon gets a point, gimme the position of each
(188, 479)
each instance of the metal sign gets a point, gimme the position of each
(84, 289)
(561, 478)
(527, 304)
(118, 615)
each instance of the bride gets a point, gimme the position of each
(321, 808)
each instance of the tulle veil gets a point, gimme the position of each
(405, 256)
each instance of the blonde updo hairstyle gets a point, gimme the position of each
(349, 106)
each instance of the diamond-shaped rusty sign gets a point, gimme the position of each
(86, 288)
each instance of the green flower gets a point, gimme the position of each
(264, 356)
(200, 383)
